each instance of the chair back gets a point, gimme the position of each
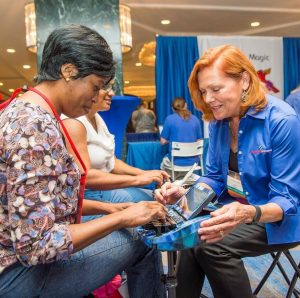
(187, 149)
(180, 149)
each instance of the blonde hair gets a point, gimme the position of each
(179, 106)
(233, 63)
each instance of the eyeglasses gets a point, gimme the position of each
(107, 88)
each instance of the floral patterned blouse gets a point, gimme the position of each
(39, 185)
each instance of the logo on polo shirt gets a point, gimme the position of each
(260, 150)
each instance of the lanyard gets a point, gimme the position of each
(84, 174)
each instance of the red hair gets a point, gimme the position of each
(233, 63)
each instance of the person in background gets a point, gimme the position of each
(143, 119)
(253, 166)
(109, 179)
(181, 126)
(44, 252)
(294, 100)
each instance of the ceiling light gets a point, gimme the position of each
(126, 82)
(147, 54)
(255, 24)
(11, 90)
(165, 22)
(125, 28)
(1, 84)
(30, 26)
(138, 64)
(10, 51)
(25, 66)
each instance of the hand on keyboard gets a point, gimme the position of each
(161, 226)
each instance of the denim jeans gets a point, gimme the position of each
(130, 194)
(88, 269)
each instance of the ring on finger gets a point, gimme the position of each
(221, 233)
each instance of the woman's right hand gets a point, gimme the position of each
(169, 193)
(142, 212)
(116, 207)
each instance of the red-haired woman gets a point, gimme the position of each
(253, 165)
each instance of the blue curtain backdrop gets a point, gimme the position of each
(175, 58)
(291, 64)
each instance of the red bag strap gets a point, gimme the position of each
(14, 95)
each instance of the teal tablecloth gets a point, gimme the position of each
(145, 155)
(148, 155)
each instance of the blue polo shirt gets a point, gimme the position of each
(176, 129)
(294, 100)
(268, 161)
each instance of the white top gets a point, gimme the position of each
(100, 143)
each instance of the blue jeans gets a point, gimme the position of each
(130, 194)
(88, 269)
(122, 195)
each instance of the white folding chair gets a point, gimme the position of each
(186, 150)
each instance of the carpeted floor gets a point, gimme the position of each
(275, 287)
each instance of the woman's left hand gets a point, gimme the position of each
(225, 220)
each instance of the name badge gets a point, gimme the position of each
(234, 184)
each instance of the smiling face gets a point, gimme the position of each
(220, 92)
(104, 98)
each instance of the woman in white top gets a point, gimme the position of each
(117, 181)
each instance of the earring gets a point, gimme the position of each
(244, 96)
(67, 79)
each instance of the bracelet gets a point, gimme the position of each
(257, 214)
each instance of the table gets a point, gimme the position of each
(146, 155)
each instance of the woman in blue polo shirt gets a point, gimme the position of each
(253, 165)
(181, 126)
(294, 100)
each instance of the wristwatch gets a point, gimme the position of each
(257, 214)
